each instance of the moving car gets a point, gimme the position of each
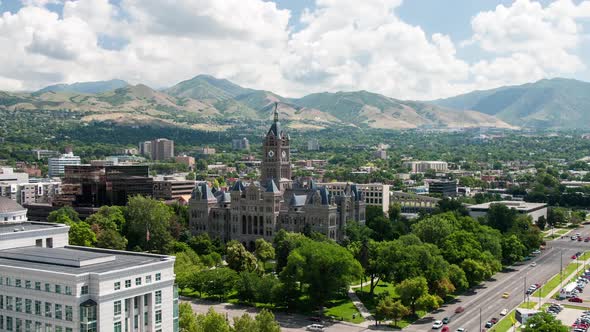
(445, 329)
(446, 320)
(461, 330)
(437, 325)
(315, 327)
(505, 295)
(533, 264)
(459, 310)
(504, 312)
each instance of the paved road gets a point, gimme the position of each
(515, 280)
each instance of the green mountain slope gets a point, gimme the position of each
(554, 103)
(85, 87)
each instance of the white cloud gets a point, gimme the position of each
(341, 45)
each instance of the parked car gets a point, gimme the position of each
(574, 256)
(533, 264)
(494, 320)
(315, 327)
(489, 324)
(504, 312)
(576, 299)
(437, 325)
(536, 252)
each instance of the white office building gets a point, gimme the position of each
(9, 176)
(423, 166)
(47, 285)
(57, 164)
(534, 210)
(376, 194)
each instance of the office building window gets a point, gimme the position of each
(38, 308)
(117, 308)
(69, 313)
(58, 290)
(59, 328)
(28, 325)
(48, 328)
(148, 279)
(116, 327)
(28, 306)
(137, 281)
(117, 285)
(68, 329)
(84, 290)
(136, 321)
(1, 322)
(159, 297)
(135, 303)
(158, 276)
(8, 281)
(145, 318)
(58, 313)
(38, 326)
(18, 283)
(19, 304)
(68, 290)
(9, 303)
(146, 299)
(27, 283)
(9, 323)
(1, 301)
(19, 325)
(48, 287)
(127, 283)
(159, 317)
(48, 309)
(37, 285)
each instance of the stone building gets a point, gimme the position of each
(258, 209)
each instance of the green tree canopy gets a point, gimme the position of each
(147, 224)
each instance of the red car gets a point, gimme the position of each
(574, 256)
(576, 299)
(445, 329)
(459, 310)
(494, 320)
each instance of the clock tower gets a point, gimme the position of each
(276, 162)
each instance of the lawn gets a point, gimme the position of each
(505, 324)
(371, 302)
(343, 309)
(585, 256)
(528, 305)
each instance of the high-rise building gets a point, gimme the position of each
(423, 166)
(313, 145)
(57, 164)
(50, 286)
(186, 160)
(276, 163)
(445, 188)
(145, 148)
(240, 144)
(162, 149)
(168, 189)
(381, 154)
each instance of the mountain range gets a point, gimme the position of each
(548, 103)
(208, 103)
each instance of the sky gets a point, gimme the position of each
(406, 49)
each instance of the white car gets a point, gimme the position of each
(315, 327)
(533, 264)
(536, 252)
(504, 312)
(461, 330)
(437, 325)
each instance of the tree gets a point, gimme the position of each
(410, 290)
(247, 286)
(186, 318)
(324, 267)
(266, 322)
(212, 322)
(81, 234)
(264, 250)
(186, 265)
(544, 322)
(217, 282)
(443, 287)
(512, 249)
(429, 302)
(384, 309)
(63, 215)
(111, 239)
(434, 229)
(501, 217)
(239, 259)
(382, 228)
(542, 222)
(284, 243)
(395, 211)
(398, 311)
(244, 323)
(108, 217)
(457, 277)
(147, 224)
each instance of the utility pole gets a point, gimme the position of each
(480, 327)
(524, 294)
(561, 269)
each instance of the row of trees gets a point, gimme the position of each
(216, 322)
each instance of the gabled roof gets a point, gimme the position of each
(297, 200)
(271, 187)
(238, 186)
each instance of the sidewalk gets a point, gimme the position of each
(359, 305)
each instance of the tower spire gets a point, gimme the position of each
(276, 112)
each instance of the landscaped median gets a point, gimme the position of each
(554, 282)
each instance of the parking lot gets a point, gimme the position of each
(568, 316)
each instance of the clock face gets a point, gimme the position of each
(284, 154)
(271, 153)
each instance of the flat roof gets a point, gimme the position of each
(518, 205)
(76, 260)
(9, 227)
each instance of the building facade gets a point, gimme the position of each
(31, 192)
(444, 188)
(258, 209)
(313, 145)
(57, 164)
(376, 194)
(240, 144)
(423, 166)
(52, 287)
(534, 210)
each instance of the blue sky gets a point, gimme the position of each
(406, 49)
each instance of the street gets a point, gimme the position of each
(487, 298)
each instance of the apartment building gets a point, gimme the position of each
(423, 166)
(58, 164)
(376, 194)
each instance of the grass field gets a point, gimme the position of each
(343, 309)
(505, 324)
(554, 282)
(369, 301)
(528, 305)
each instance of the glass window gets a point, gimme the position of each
(8, 323)
(117, 308)
(135, 303)
(48, 309)
(38, 326)
(58, 328)
(138, 281)
(28, 306)
(37, 285)
(145, 318)
(158, 276)
(37, 307)
(19, 325)
(28, 325)
(1, 322)
(116, 327)
(48, 287)
(58, 313)
(27, 283)
(69, 313)
(159, 297)
(68, 292)
(148, 279)
(84, 290)
(48, 327)
(127, 283)
(18, 283)
(1, 301)
(9, 303)
(8, 281)
(146, 299)
(159, 317)
(19, 304)
(58, 291)
(68, 329)
(117, 285)
(136, 321)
